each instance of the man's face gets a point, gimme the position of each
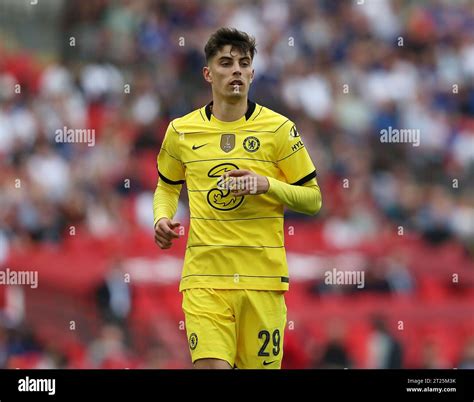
(229, 72)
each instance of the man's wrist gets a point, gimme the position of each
(271, 185)
(159, 218)
(266, 186)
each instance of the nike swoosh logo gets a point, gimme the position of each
(265, 363)
(198, 146)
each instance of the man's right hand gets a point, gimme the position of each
(164, 232)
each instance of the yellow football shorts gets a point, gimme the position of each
(243, 327)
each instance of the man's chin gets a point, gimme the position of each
(236, 94)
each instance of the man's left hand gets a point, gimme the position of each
(244, 182)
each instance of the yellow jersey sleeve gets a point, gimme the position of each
(170, 168)
(292, 156)
(305, 198)
(165, 200)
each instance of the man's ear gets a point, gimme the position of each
(253, 73)
(206, 72)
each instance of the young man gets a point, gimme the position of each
(242, 164)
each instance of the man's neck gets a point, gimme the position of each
(226, 111)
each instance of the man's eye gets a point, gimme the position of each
(245, 64)
(225, 64)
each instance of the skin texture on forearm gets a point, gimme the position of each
(306, 199)
(165, 200)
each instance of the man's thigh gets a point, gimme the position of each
(210, 324)
(261, 322)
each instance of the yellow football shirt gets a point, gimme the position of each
(233, 242)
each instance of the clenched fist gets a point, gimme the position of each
(164, 232)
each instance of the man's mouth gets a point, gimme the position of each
(236, 82)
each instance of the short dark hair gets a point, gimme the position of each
(230, 36)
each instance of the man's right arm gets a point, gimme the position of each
(165, 204)
(165, 200)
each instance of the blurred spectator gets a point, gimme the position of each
(334, 354)
(398, 274)
(114, 296)
(384, 350)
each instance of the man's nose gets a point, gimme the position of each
(237, 69)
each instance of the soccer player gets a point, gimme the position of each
(242, 164)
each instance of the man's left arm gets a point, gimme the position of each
(305, 198)
(300, 192)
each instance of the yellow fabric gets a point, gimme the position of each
(232, 237)
(243, 327)
(305, 199)
(165, 200)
